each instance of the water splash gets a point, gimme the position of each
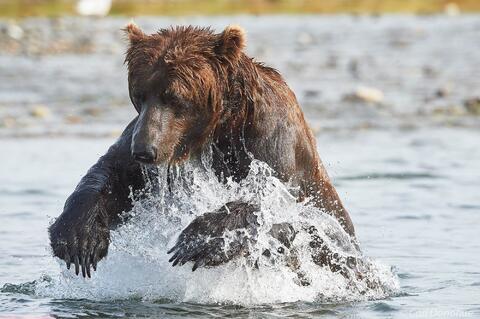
(137, 265)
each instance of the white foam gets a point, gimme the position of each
(137, 264)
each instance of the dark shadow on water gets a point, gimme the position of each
(383, 307)
(466, 206)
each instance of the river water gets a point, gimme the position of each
(407, 169)
(415, 205)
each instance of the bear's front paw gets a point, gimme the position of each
(81, 242)
(201, 250)
(217, 237)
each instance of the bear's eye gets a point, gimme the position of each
(182, 104)
(176, 101)
(186, 104)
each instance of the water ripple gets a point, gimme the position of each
(396, 176)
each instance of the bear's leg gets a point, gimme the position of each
(216, 237)
(80, 235)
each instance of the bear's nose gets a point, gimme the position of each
(145, 154)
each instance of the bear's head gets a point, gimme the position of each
(177, 82)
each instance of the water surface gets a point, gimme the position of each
(415, 206)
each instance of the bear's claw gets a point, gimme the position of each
(83, 262)
(82, 245)
(203, 253)
(204, 241)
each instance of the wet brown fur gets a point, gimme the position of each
(237, 104)
(193, 89)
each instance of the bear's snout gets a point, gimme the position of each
(144, 153)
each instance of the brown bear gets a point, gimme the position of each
(193, 89)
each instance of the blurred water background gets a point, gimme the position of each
(394, 100)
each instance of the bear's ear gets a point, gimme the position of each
(231, 42)
(133, 32)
